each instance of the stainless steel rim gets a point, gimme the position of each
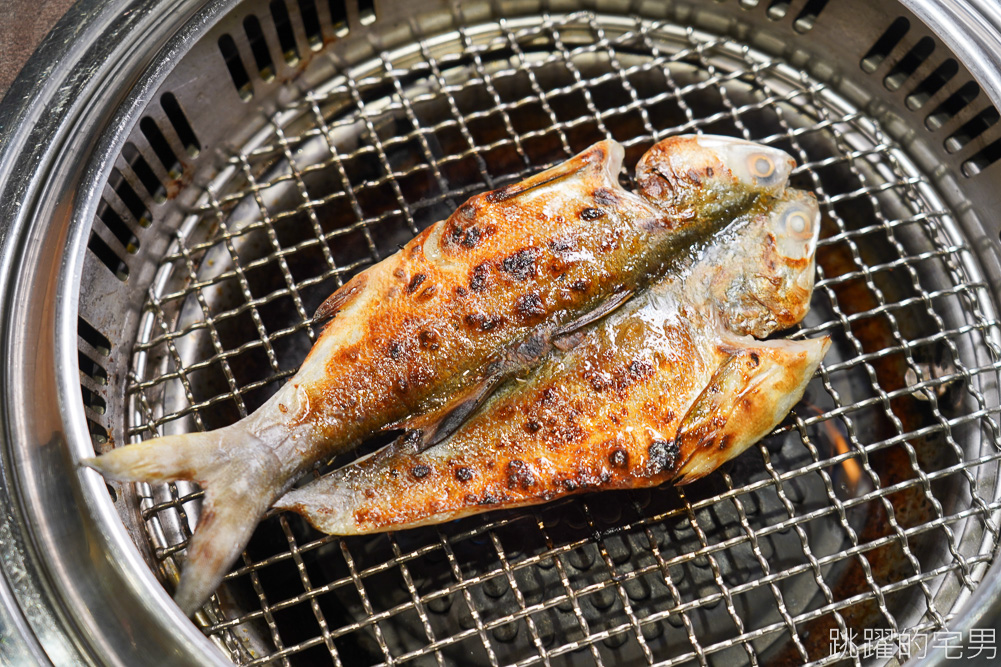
(60, 593)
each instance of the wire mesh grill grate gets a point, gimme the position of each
(873, 506)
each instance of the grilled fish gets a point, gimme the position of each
(669, 387)
(436, 327)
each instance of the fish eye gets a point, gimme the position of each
(798, 225)
(761, 166)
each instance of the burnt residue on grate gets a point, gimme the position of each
(863, 510)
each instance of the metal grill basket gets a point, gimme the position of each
(267, 151)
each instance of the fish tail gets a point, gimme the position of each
(240, 478)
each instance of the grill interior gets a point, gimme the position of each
(873, 507)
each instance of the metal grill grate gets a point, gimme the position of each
(875, 505)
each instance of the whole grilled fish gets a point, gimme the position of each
(669, 387)
(435, 327)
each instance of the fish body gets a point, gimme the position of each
(435, 327)
(668, 387)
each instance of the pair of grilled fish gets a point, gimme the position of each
(555, 336)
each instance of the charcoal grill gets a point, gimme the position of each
(183, 183)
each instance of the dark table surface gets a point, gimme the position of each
(23, 24)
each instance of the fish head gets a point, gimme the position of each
(761, 270)
(710, 176)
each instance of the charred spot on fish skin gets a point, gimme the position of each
(463, 474)
(519, 475)
(619, 458)
(460, 290)
(520, 264)
(725, 442)
(420, 471)
(570, 485)
(483, 322)
(561, 245)
(395, 350)
(499, 195)
(480, 278)
(428, 340)
(580, 285)
(663, 455)
(415, 282)
(590, 213)
(532, 426)
(471, 237)
(530, 307)
(598, 381)
(754, 359)
(605, 197)
(489, 499)
(639, 368)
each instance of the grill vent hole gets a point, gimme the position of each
(92, 369)
(98, 434)
(259, 47)
(339, 17)
(108, 257)
(94, 401)
(983, 159)
(972, 129)
(808, 17)
(235, 66)
(778, 9)
(144, 172)
(283, 25)
(884, 45)
(93, 337)
(160, 146)
(932, 84)
(132, 202)
(181, 125)
(909, 64)
(952, 106)
(117, 226)
(366, 11)
(311, 22)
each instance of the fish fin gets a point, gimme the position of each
(237, 493)
(608, 307)
(426, 430)
(603, 157)
(337, 301)
(748, 395)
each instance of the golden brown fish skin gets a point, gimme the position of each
(668, 388)
(440, 317)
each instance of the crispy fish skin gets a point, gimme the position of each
(440, 318)
(667, 388)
